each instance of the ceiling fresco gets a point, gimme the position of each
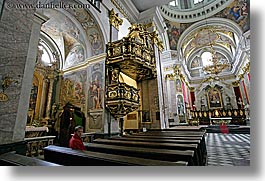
(210, 36)
(218, 37)
(76, 33)
(238, 11)
(92, 29)
(60, 27)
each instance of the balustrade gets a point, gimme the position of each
(35, 145)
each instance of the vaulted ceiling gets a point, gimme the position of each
(210, 25)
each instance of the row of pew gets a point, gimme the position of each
(152, 148)
(14, 159)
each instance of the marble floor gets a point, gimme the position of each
(228, 149)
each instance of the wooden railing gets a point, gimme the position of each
(35, 145)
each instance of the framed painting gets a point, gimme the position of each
(214, 99)
(146, 117)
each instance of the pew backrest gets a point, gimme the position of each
(13, 159)
(68, 156)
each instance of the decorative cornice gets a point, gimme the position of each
(195, 14)
(89, 61)
(119, 6)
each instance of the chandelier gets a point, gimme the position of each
(217, 64)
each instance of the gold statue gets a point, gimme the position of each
(114, 20)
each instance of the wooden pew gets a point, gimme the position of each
(149, 153)
(174, 133)
(169, 146)
(162, 140)
(13, 159)
(199, 140)
(68, 157)
(177, 135)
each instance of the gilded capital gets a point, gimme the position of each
(170, 76)
(236, 83)
(114, 20)
(192, 89)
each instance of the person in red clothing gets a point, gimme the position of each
(76, 141)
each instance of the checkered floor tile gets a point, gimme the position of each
(228, 149)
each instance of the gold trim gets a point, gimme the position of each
(246, 69)
(3, 97)
(157, 41)
(114, 20)
(170, 76)
(149, 25)
(178, 73)
(236, 83)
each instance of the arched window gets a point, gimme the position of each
(197, 1)
(123, 30)
(206, 58)
(45, 55)
(173, 3)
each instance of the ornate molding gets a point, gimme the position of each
(119, 7)
(122, 99)
(3, 97)
(157, 41)
(134, 54)
(236, 83)
(170, 76)
(245, 69)
(178, 73)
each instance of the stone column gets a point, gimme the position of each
(161, 92)
(19, 34)
(49, 97)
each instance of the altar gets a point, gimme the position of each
(221, 120)
(217, 116)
